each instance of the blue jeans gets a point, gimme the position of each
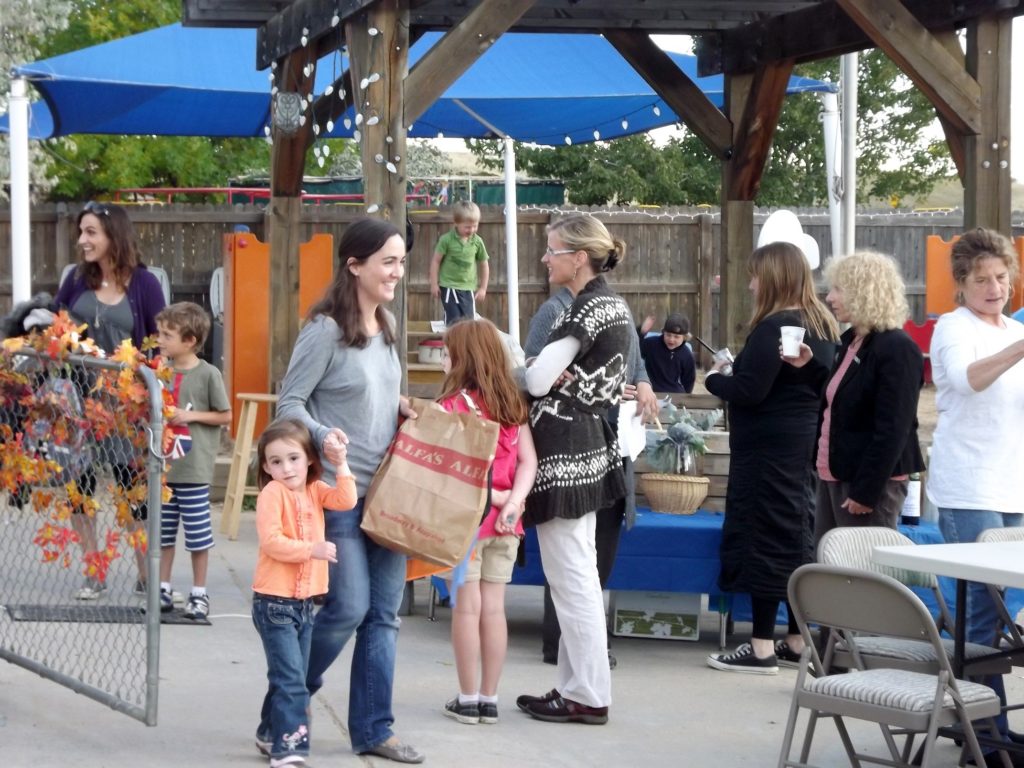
(363, 596)
(962, 526)
(285, 626)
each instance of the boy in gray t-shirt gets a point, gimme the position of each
(202, 407)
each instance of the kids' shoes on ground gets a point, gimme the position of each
(91, 589)
(744, 660)
(198, 607)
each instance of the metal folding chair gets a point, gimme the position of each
(851, 547)
(850, 602)
(1008, 633)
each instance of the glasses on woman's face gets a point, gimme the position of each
(549, 252)
(96, 208)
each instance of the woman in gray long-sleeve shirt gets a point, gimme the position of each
(343, 381)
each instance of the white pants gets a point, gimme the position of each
(570, 565)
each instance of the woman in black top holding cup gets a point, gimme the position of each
(773, 416)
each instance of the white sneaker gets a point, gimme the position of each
(91, 589)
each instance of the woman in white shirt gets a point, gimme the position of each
(974, 475)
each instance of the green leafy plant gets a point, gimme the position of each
(671, 451)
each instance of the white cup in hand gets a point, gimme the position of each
(792, 338)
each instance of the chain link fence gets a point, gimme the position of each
(79, 523)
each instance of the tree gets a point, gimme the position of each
(892, 157)
(23, 23)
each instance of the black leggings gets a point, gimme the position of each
(764, 610)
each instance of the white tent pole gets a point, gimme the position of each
(511, 239)
(848, 77)
(21, 259)
(833, 175)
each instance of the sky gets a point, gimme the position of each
(680, 44)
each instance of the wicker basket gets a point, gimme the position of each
(674, 494)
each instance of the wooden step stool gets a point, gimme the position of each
(236, 488)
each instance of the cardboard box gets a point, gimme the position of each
(659, 615)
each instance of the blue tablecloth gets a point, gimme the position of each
(679, 553)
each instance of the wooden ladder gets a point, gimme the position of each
(240, 458)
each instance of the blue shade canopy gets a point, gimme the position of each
(177, 81)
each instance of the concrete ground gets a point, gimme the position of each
(669, 708)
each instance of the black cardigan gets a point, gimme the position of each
(873, 429)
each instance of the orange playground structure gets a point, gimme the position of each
(247, 309)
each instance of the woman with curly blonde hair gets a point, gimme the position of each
(867, 434)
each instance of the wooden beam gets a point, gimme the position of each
(288, 155)
(753, 139)
(682, 95)
(283, 224)
(922, 58)
(705, 280)
(282, 34)
(954, 139)
(229, 13)
(737, 230)
(382, 128)
(454, 53)
(790, 36)
(987, 187)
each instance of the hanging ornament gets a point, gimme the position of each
(378, 159)
(625, 124)
(359, 118)
(398, 158)
(305, 70)
(341, 93)
(302, 119)
(273, 65)
(372, 208)
(273, 91)
(388, 139)
(373, 31)
(657, 111)
(347, 123)
(320, 162)
(328, 90)
(270, 76)
(330, 126)
(439, 134)
(597, 135)
(316, 129)
(391, 167)
(327, 150)
(357, 136)
(568, 140)
(303, 104)
(373, 120)
(335, 20)
(266, 130)
(374, 77)
(305, 37)
(364, 82)
(316, 151)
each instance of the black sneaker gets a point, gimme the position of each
(166, 601)
(525, 701)
(786, 656)
(469, 714)
(744, 660)
(488, 712)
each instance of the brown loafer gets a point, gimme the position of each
(562, 710)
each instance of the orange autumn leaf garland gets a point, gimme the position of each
(116, 404)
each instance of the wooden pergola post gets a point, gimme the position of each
(987, 154)
(378, 48)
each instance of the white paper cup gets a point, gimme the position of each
(792, 338)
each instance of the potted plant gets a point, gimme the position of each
(674, 487)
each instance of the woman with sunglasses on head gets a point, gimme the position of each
(578, 375)
(118, 298)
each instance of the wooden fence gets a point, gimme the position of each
(671, 263)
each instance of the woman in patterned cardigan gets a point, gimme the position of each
(577, 377)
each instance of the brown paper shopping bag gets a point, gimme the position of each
(429, 492)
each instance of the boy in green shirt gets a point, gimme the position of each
(202, 405)
(458, 258)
